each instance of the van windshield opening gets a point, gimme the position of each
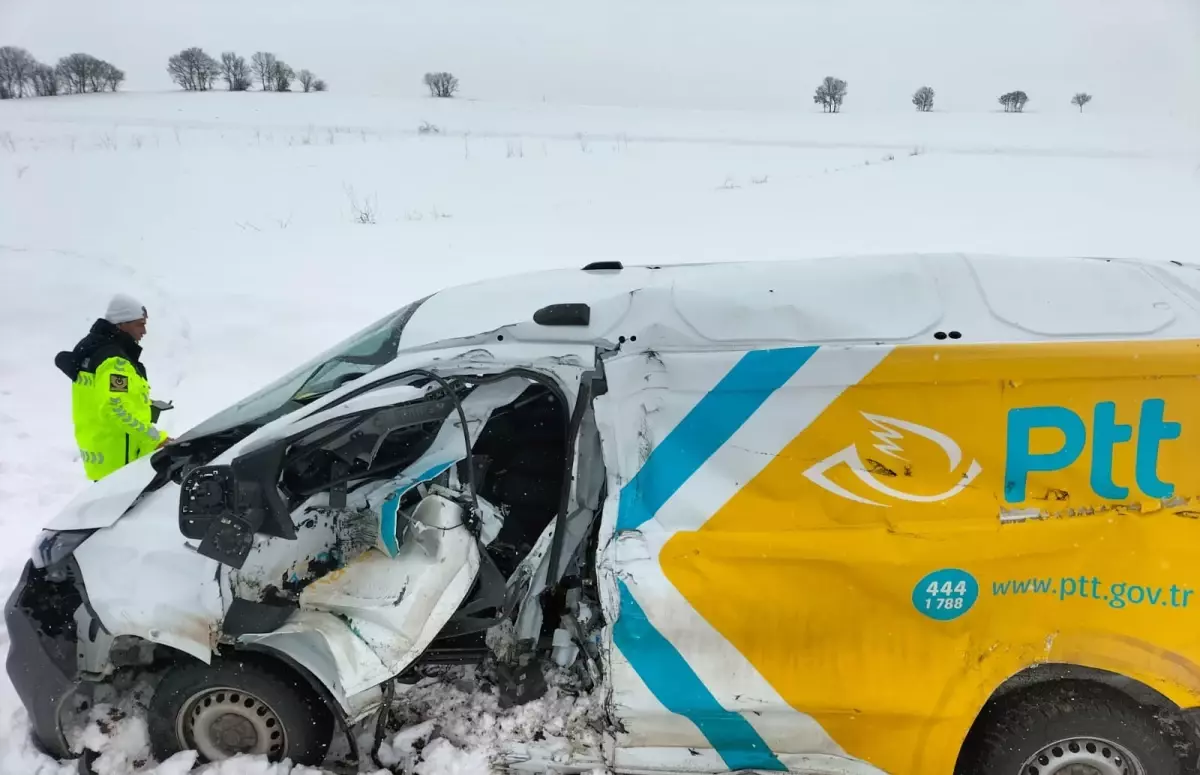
(360, 354)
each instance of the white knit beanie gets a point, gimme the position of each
(123, 309)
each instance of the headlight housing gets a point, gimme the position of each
(54, 546)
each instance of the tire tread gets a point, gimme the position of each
(1016, 727)
(287, 693)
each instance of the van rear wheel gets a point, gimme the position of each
(1072, 729)
(238, 706)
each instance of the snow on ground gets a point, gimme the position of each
(444, 724)
(233, 217)
(261, 228)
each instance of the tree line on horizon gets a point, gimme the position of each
(22, 75)
(831, 93)
(193, 69)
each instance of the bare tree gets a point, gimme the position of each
(16, 71)
(45, 81)
(1014, 101)
(830, 94)
(95, 77)
(112, 76)
(181, 71)
(68, 76)
(236, 71)
(1081, 99)
(282, 76)
(306, 79)
(923, 99)
(193, 69)
(80, 73)
(319, 85)
(441, 84)
(262, 64)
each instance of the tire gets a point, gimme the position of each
(1042, 730)
(239, 705)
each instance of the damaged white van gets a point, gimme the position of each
(649, 475)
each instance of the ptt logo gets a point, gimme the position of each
(1107, 433)
(891, 435)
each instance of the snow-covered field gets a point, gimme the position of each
(260, 228)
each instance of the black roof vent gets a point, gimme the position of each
(563, 315)
(597, 266)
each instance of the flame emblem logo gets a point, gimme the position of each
(889, 434)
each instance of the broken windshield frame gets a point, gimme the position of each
(362, 353)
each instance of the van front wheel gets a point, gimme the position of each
(1072, 728)
(235, 706)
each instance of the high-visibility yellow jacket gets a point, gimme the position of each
(110, 400)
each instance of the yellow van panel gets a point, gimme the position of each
(963, 513)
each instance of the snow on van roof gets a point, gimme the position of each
(873, 298)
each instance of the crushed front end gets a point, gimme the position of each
(43, 648)
(58, 650)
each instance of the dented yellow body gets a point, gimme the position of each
(890, 602)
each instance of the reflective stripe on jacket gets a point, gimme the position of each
(111, 411)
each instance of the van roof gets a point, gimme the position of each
(911, 297)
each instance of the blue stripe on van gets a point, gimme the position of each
(710, 423)
(387, 515)
(669, 677)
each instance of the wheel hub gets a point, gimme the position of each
(1082, 756)
(234, 732)
(224, 722)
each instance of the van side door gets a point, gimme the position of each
(682, 433)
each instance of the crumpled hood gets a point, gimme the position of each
(102, 504)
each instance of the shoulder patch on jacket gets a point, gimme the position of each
(118, 383)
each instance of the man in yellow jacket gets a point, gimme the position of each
(110, 395)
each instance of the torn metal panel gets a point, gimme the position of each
(447, 448)
(530, 574)
(93, 647)
(578, 524)
(281, 565)
(585, 487)
(563, 361)
(378, 398)
(397, 605)
(326, 646)
(398, 591)
(143, 579)
(322, 538)
(630, 418)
